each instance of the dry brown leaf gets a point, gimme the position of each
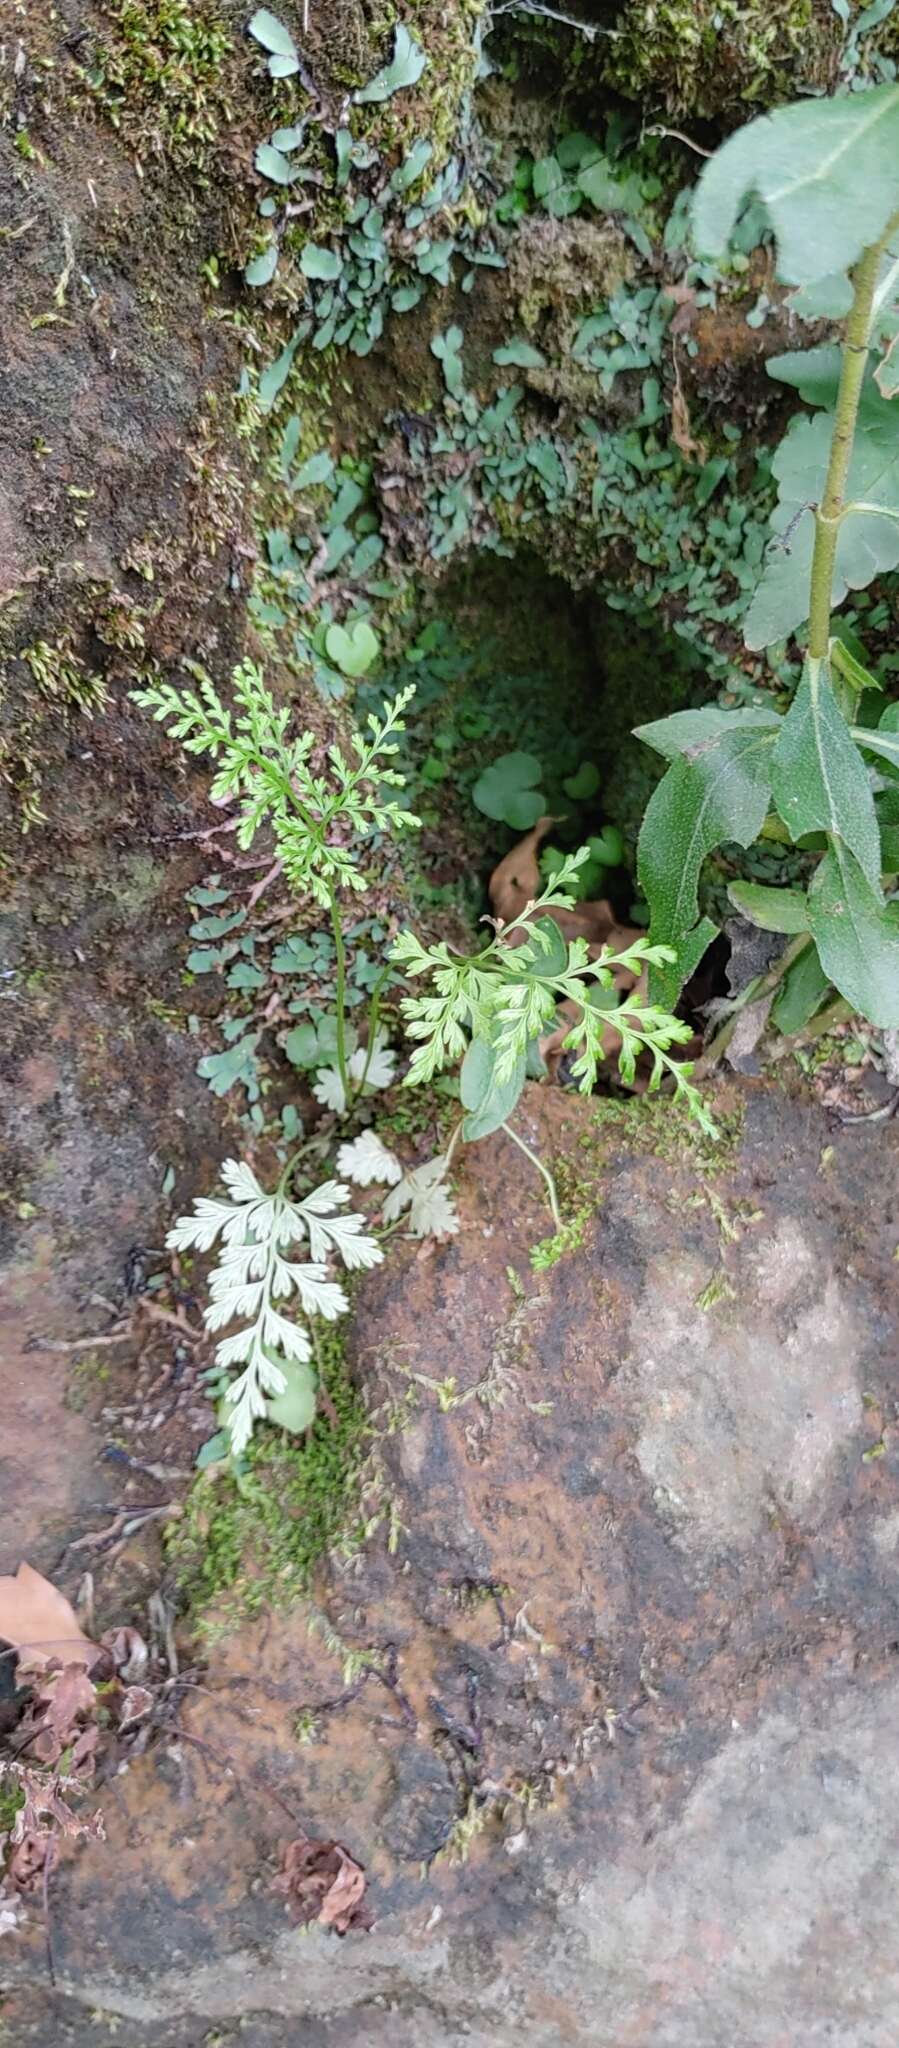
(517, 880)
(63, 1702)
(39, 1623)
(321, 1881)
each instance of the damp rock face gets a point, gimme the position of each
(610, 1726)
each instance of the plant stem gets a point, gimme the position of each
(544, 1170)
(754, 992)
(340, 951)
(374, 1014)
(852, 374)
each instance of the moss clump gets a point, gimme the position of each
(698, 59)
(653, 1123)
(243, 1541)
(159, 76)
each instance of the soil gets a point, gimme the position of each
(636, 1638)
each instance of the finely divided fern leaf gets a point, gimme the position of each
(252, 1277)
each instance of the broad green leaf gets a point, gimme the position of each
(818, 778)
(320, 263)
(826, 172)
(857, 936)
(886, 804)
(850, 668)
(405, 68)
(317, 469)
(272, 34)
(301, 1045)
(683, 730)
(868, 541)
(522, 355)
(289, 138)
(261, 269)
(487, 1103)
(773, 910)
(717, 792)
(607, 847)
(802, 990)
(882, 740)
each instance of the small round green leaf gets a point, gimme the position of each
(294, 1409)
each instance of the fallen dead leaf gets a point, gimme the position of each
(39, 1623)
(321, 1881)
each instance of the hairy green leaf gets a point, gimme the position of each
(818, 778)
(868, 541)
(773, 910)
(826, 172)
(717, 792)
(857, 936)
(683, 730)
(801, 993)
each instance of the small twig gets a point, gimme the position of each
(678, 135)
(541, 1169)
(876, 1116)
(588, 29)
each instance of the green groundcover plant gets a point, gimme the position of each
(825, 776)
(482, 1014)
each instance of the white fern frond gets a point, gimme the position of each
(319, 1296)
(368, 1161)
(235, 1350)
(249, 1406)
(381, 1063)
(241, 1182)
(199, 1231)
(331, 1195)
(329, 1090)
(288, 1337)
(424, 1193)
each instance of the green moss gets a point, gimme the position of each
(12, 1798)
(569, 1239)
(242, 1542)
(159, 74)
(698, 59)
(653, 1123)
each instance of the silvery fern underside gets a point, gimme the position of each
(257, 1277)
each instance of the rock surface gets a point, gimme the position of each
(635, 1650)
